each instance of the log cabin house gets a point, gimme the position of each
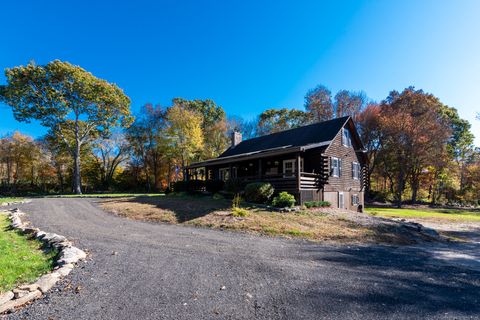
(321, 161)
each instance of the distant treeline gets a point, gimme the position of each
(418, 148)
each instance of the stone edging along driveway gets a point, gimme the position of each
(68, 255)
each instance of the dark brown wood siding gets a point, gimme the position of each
(345, 183)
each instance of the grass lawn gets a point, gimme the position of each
(457, 215)
(21, 260)
(312, 224)
(106, 195)
(4, 200)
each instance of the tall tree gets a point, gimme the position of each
(61, 96)
(214, 124)
(147, 138)
(110, 153)
(248, 128)
(349, 103)
(185, 134)
(275, 120)
(318, 101)
(369, 129)
(414, 134)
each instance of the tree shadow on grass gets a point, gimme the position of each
(185, 208)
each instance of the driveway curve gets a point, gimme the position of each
(140, 270)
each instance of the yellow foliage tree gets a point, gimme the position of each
(184, 133)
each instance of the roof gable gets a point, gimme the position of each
(302, 136)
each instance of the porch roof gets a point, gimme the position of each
(260, 154)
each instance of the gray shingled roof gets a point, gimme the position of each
(302, 136)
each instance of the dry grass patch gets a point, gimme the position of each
(313, 224)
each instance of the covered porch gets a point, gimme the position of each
(300, 173)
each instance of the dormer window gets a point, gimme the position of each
(346, 138)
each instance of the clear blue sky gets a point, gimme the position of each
(253, 55)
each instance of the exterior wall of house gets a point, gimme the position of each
(316, 161)
(345, 184)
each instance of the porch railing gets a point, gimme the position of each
(289, 182)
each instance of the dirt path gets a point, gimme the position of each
(140, 270)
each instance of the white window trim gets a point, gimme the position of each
(356, 169)
(294, 167)
(339, 167)
(346, 141)
(225, 170)
(355, 202)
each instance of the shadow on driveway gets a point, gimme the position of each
(398, 279)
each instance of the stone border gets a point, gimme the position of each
(6, 204)
(68, 255)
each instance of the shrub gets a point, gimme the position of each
(317, 204)
(214, 186)
(234, 185)
(258, 192)
(284, 199)
(236, 201)
(239, 212)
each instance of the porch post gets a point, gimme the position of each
(260, 168)
(298, 169)
(230, 172)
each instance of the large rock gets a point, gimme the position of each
(20, 301)
(71, 255)
(7, 296)
(65, 270)
(47, 281)
(29, 287)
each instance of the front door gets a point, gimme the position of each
(341, 201)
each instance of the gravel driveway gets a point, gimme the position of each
(153, 271)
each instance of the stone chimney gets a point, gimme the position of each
(236, 138)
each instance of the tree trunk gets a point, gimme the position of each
(400, 186)
(415, 185)
(77, 184)
(77, 180)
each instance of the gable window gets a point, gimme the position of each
(346, 138)
(355, 200)
(335, 167)
(356, 170)
(224, 174)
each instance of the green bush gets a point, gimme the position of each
(317, 204)
(239, 212)
(258, 192)
(234, 185)
(283, 200)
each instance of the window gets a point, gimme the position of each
(355, 200)
(289, 167)
(346, 138)
(356, 170)
(224, 174)
(335, 167)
